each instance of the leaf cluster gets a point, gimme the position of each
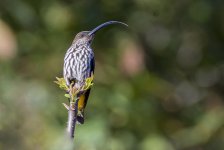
(71, 90)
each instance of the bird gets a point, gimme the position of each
(79, 64)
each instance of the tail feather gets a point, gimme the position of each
(80, 117)
(81, 106)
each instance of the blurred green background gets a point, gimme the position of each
(158, 85)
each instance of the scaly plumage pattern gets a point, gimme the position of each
(78, 64)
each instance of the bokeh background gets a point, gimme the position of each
(158, 85)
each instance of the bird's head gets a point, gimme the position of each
(83, 38)
(86, 37)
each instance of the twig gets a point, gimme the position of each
(72, 118)
(72, 93)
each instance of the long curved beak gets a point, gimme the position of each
(104, 25)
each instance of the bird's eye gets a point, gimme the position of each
(81, 35)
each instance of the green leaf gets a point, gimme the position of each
(67, 95)
(72, 90)
(62, 83)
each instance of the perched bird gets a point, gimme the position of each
(79, 64)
